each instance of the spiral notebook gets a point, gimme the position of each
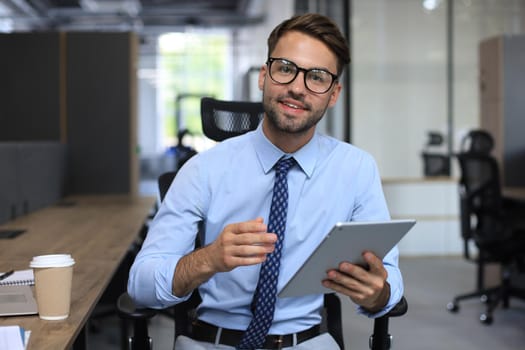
(19, 278)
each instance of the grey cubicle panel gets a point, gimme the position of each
(8, 181)
(78, 88)
(101, 114)
(29, 86)
(41, 174)
(32, 176)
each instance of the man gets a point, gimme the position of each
(227, 192)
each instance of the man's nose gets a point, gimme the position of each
(298, 84)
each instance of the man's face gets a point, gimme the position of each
(292, 108)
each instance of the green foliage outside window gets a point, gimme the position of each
(192, 65)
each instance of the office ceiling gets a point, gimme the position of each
(139, 15)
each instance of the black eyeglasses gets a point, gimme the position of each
(316, 80)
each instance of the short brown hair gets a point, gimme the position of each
(319, 27)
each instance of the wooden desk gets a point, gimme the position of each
(97, 231)
(514, 192)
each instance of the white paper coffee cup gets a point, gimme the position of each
(53, 277)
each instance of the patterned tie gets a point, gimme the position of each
(266, 291)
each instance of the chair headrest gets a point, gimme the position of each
(477, 141)
(224, 119)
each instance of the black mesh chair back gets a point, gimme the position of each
(225, 119)
(480, 195)
(480, 189)
(164, 182)
(475, 175)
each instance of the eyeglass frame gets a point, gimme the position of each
(305, 71)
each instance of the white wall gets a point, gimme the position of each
(434, 204)
(251, 49)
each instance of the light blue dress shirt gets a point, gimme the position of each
(232, 182)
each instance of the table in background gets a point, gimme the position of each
(97, 231)
(514, 192)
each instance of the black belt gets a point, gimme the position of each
(203, 331)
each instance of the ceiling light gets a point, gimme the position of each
(431, 5)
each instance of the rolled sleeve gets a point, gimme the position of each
(150, 281)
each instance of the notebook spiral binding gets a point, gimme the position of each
(28, 282)
(19, 278)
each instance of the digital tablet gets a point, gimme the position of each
(345, 242)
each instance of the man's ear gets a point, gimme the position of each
(262, 77)
(334, 95)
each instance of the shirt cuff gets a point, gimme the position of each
(164, 281)
(396, 293)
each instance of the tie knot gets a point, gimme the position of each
(284, 164)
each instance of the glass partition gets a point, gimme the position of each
(400, 73)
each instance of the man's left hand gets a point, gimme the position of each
(366, 287)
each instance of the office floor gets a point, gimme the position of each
(430, 283)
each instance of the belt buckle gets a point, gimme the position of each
(279, 342)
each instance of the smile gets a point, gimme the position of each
(291, 105)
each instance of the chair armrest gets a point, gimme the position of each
(400, 309)
(127, 309)
(381, 339)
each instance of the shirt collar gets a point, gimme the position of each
(269, 154)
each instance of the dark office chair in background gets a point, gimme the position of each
(221, 120)
(490, 221)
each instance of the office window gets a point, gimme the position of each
(6, 23)
(191, 65)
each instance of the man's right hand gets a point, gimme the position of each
(239, 244)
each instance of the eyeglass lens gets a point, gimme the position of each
(284, 72)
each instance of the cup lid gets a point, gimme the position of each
(52, 260)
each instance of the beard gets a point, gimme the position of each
(283, 123)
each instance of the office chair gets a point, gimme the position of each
(225, 119)
(221, 120)
(491, 222)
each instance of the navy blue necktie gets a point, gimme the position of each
(266, 291)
